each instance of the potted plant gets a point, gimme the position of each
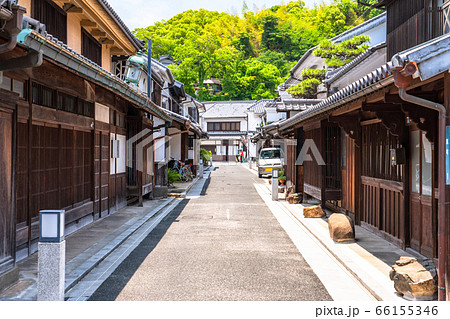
(205, 156)
(281, 178)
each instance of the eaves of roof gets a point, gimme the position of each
(195, 127)
(260, 106)
(296, 104)
(56, 51)
(107, 7)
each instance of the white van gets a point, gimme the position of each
(270, 159)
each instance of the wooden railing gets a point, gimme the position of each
(383, 207)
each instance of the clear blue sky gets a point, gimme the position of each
(142, 13)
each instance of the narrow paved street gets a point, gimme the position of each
(225, 245)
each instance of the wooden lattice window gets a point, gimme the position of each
(120, 66)
(377, 142)
(446, 17)
(224, 126)
(90, 47)
(54, 18)
(67, 103)
(85, 108)
(42, 95)
(332, 159)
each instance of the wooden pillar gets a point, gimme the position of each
(299, 182)
(447, 188)
(323, 136)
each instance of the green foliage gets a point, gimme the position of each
(306, 89)
(205, 155)
(173, 176)
(251, 53)
(314, 74)
(337, 55)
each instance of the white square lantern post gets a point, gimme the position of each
(274, 184)
(51, 255)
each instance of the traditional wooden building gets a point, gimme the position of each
(383, 139)
(65, 120)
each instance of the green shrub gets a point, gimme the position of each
(314, 74)
(205, 155)
(306, 89)
(173, 176)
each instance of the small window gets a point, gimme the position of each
(67, 103)
(112, 118)
(85, 108)
(6, 83)
(54, 18)
(42, 95)
(90, 48)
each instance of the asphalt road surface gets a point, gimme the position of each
(225, 245)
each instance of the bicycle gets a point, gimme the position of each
(183, 170)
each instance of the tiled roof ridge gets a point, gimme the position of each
(140, 45)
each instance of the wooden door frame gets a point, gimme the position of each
(8, 105)
(429, 198)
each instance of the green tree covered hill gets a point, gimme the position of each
(250, 53)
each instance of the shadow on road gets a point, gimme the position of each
(111, 287)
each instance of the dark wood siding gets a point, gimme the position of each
(311, 170)
(412, 22)
(383, 201)
(54, 18)
(59, 174)
(90, 47)
(6, 190)
(348, 175)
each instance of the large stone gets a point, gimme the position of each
(414, 280)
(294, 198)
(313, 212)
(289, 191)
(341, 227)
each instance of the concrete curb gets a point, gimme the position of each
(82, 270)
(326, 246)
(183, 194)
(354, 274)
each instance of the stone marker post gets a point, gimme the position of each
(200, 169)
(275, 184)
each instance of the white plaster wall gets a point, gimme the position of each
(254, 121)
(121, 161)
(174, 144)
(362, 69)
(160, 145)
(377, 34)
(273, 115)
(101, 113)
